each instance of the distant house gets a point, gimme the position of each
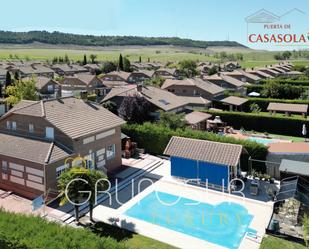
(2, 75)
(234, 103)
(230, 66)
(209, 162)
(193, 87)
(243, 76)
(140, 76)
(259, 73)
(116, 76)
(40, 139)
(167, 73)
(269, 71)
(68, 70)
(71, 85)
(226, 82)
(146, 65)
(47, 88)
(92, 68)
(35, 70)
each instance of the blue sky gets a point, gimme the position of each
(196, 19)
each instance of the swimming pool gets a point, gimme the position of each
(265, 141)
(224, 224)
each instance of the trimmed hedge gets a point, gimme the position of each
(264, 102)
(287, 81)
(154, 138)
(263, 122)
(36, 233)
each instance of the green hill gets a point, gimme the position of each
(58, 38)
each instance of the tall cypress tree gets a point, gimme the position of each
(140, 59)
(120, 63)
(8, 79)
(85, 60)
(16, 76)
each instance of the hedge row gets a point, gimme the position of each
(154, 138)
(263, 122)
(35, 232)
(287, 81)
(264, 102)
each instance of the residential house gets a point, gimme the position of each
(140, 76)
(230, 66)
(193, 87)
(41, 139)
(92, 68)
(68, 70)
(47, 88)
(167, 73)
(2, 76)
(158, 98)
(116, 76)
(259, 73)
(269, 71)
(197, 120)
(72, 85)
(243, 76)
(35, 70)
(227, 82)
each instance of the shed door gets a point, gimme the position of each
(185, 168)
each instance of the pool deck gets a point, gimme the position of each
(114, 213)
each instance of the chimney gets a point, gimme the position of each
(139, 88)
(84, 95)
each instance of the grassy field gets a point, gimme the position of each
(270, 242)
(155, 53)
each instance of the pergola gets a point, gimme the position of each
(288, 108)
(234, 102)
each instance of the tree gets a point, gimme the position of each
(111, 106)
(286, 55)
(306, 229)
(126, 65)
(85, 60)
(255, 108)
(21, 90)
(8, 79)
(120, 63)
(157, 81)
(172, 120)
(134, 109)
(78, 179)
(66, 59)
(108, 66)
(188, 68)
(16, 75)
(93, 58)
(140, 59)
(212, 70)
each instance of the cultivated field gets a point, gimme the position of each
(154, 53)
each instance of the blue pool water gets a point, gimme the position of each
(261, 140)
(224, 224)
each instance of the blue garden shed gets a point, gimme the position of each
(210, 162)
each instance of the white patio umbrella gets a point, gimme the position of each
(304, 131)
(254, 94)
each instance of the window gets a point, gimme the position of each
(31, 128)
(61, 169)
(8, 125)
(4, 166)
(14, 126)
(49, 133)
(50, 88)
(110, 152)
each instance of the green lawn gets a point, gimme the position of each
(132, 240)
(270, 242)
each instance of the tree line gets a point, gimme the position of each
(91, 40)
